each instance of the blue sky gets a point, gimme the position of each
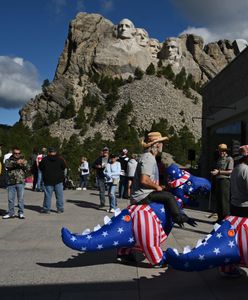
(33, 34)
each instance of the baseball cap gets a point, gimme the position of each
(105, 149)
(52, 149)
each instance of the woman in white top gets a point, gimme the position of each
(84, 173)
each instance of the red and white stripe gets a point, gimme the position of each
(148, 232)
(178, 182)
(241, 226)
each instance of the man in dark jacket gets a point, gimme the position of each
(52, 167)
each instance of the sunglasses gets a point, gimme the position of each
(17, 153)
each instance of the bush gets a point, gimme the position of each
(138, 73)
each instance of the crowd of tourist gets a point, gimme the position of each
(140, 179)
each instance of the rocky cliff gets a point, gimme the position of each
(97, 51)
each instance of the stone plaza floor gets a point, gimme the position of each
(35, 264)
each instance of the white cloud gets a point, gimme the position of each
(18, 82)
(205, 33)
(80, 6)
(59, 6)
(107, 5)
(217, 19)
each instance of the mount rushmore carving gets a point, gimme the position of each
(96, 45)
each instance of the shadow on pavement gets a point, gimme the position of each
(36, 208)
(167, 284)
(73, 291)
(84, 204)
(2, 212)
(191, 230)
(203, 221)
(93, 258)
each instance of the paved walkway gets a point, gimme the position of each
(35, 264)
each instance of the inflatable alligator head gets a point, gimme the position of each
(183, 185)
(225, 245)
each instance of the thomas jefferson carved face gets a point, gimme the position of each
(173, 50)
(154, 47)
(125, 29)
(142, 37)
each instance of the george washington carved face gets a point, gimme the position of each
(125, 29)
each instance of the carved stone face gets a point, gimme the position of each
(142, 37)
(125, 29)
(154, 47)
(172, 47)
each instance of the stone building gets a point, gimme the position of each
(225, 111)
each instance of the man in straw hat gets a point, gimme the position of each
(221, 173)
(146, 188)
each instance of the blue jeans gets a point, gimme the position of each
(48, 192)
(40, 184)
(123, 187)
(101, 185)
(83, 181)
(12, 191)
(111, 194)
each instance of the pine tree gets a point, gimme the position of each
(150, 69)
(180, 79)
(80, 120)
(68, 111)
(167, 72)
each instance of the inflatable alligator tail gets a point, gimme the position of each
(227, 244)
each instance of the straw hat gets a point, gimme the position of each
(152, 138)
(222, 147)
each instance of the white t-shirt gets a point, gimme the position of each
(239, 185)
(147, 165)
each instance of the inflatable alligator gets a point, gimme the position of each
(227, 244)
(140, 227)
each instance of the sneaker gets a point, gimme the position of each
(21, 216)
(101, 206)
(60, 211)
(126, 258)
(8, 216)
(236, 273)
(84, 189)
(78, 189)
(44, 211)
(111, 210)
